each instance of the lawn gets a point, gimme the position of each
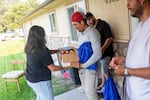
(10, 50)
(13, 49)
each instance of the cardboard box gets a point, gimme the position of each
(75, 64)
(70, 57)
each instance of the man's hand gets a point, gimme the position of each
(75, 64)
(119, 70)
(116, 61)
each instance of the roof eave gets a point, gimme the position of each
(47, 2)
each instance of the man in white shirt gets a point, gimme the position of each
(136, 65)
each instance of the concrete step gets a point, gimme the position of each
(75, 94)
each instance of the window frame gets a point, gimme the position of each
(76, 7)
(53, 23)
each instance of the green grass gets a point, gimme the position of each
(13, 49)
(10, 50)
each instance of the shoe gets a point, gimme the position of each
(100, 90)
(81, 89)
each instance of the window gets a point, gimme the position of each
(53, 25)
(79, 6)
(74, 36)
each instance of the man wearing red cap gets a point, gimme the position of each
(89, 53)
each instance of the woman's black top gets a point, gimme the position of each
(37, 65)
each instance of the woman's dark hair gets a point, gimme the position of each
(36, 39)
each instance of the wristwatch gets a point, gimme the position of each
(126, 72)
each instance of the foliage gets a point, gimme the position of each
(13, 12)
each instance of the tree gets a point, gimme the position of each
(10, 18)
(3, 9)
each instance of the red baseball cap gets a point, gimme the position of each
(77, 16)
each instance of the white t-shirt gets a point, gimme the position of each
(138, 56)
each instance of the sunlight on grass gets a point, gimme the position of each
(10, 50)
(11, 47)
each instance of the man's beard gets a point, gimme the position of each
(94, 21)
(138, 12)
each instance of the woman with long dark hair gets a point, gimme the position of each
(40, 64)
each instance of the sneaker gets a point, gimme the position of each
(81, 89)
(100, 90)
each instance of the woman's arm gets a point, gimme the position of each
(53, 67)
(55, 51)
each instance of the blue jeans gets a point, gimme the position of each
(43, 90)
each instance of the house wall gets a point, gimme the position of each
(59, 39)
(116, 14)
(62, 21)
(41, 20)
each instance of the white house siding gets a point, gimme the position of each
(56, 40)
(41, 20)
(115, 13)
(61, 37)
(62, 21)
